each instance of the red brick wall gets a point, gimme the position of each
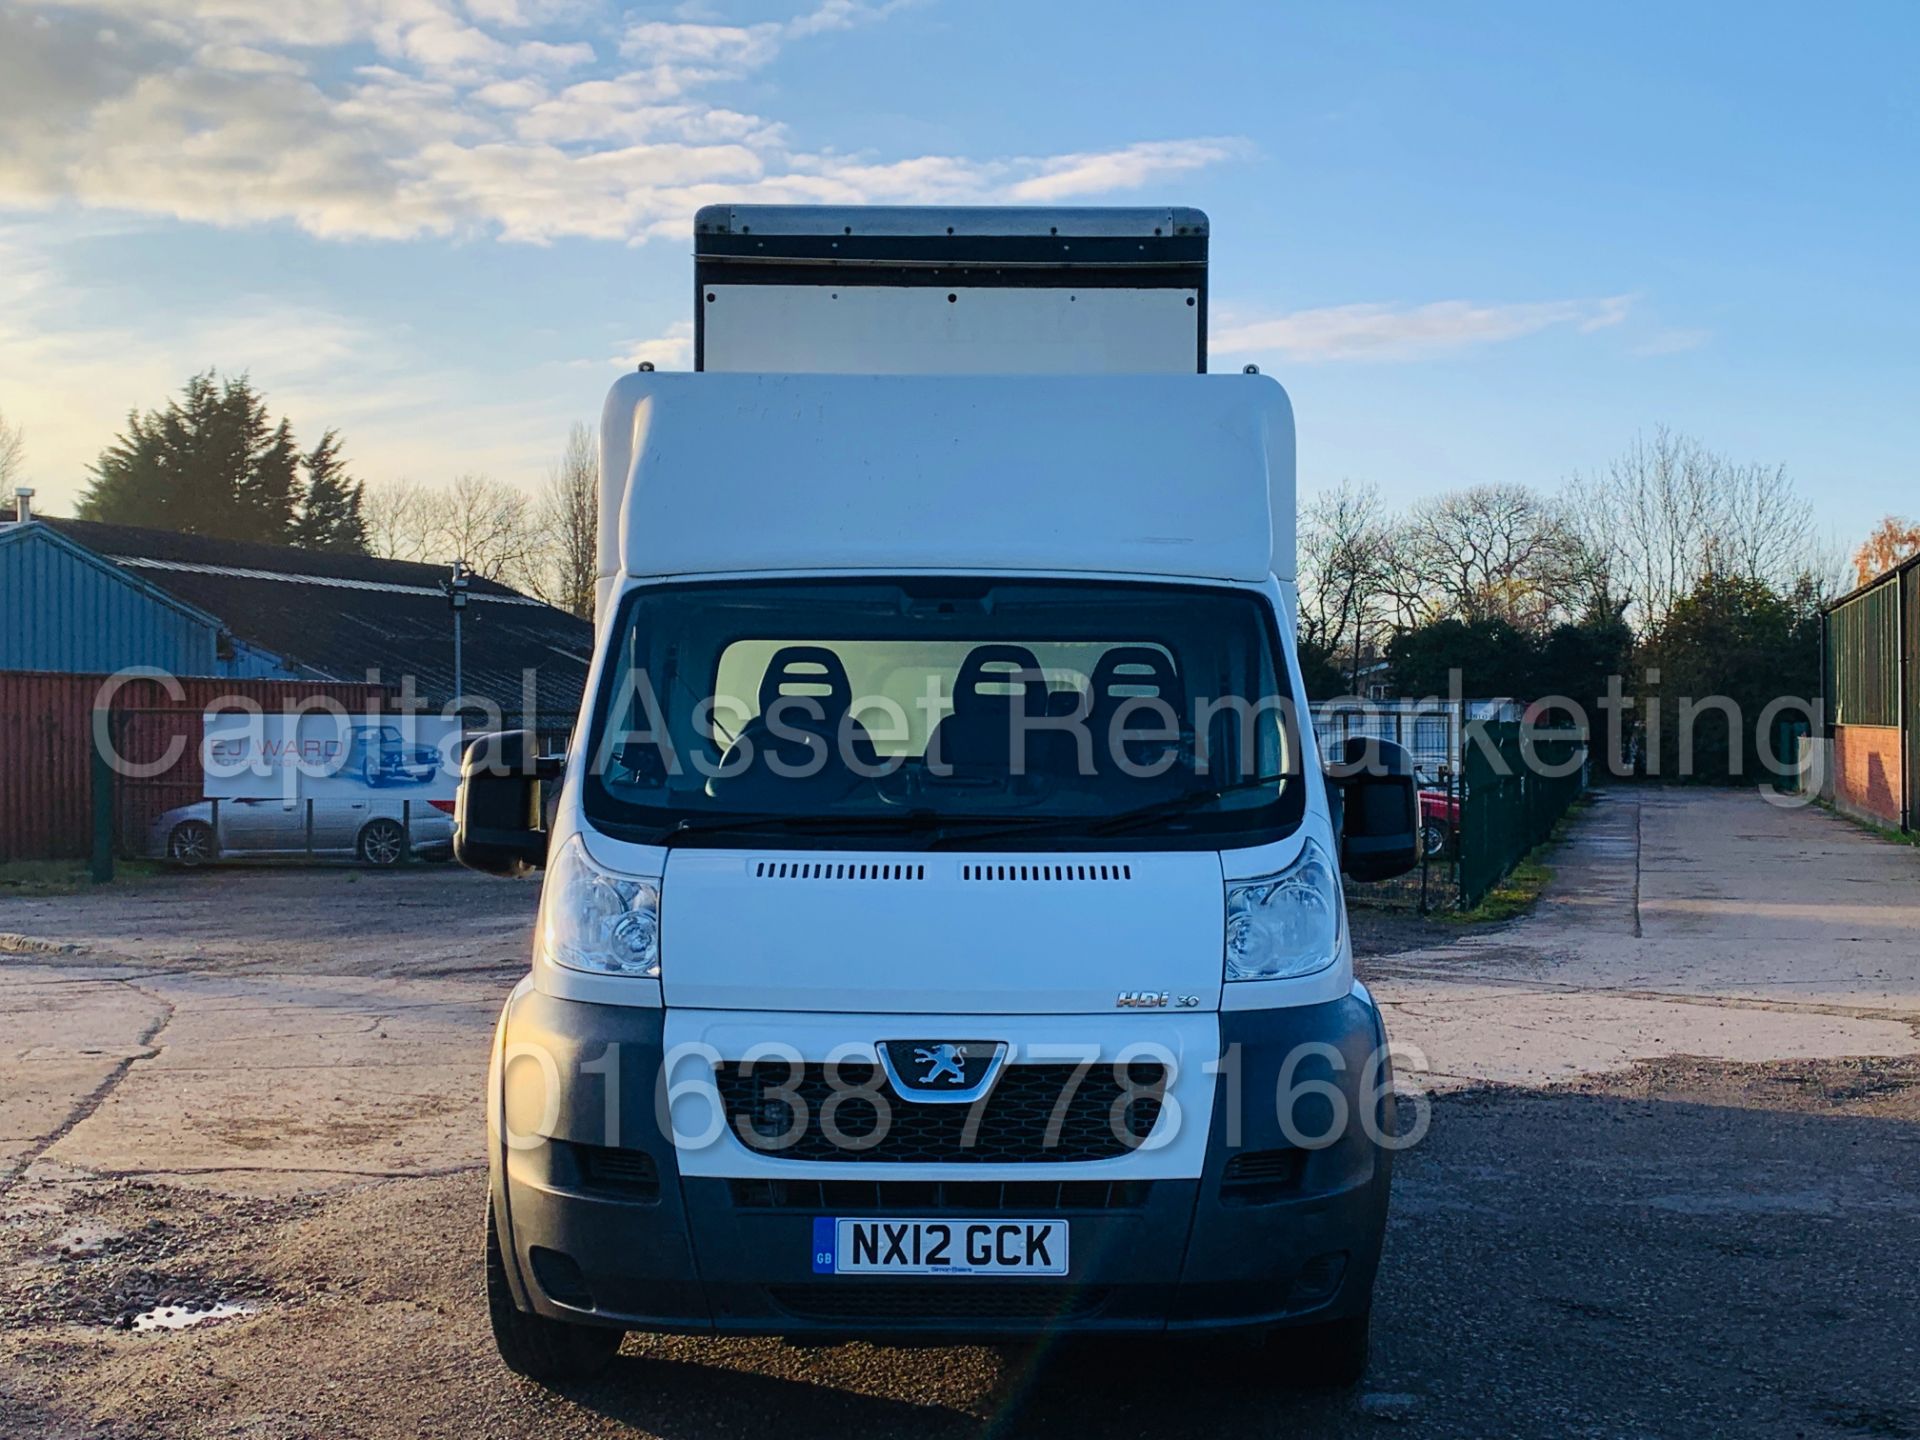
(1868, 780)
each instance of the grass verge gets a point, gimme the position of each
(1878, 831)
(1525, 883)
(1512, 897)
(24, 879)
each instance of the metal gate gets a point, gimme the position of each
(1910, 664)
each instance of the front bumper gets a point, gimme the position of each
(1269, 1233)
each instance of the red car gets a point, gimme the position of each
(1439, 821)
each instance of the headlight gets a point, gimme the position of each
(594, 920)
(1287, 924)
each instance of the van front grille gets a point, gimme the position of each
(1059, 1114)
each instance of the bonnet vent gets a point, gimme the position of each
(835, 870)
(1015, 874)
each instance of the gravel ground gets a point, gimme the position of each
(260, 1089)
(1390, 932)
(415, 922)
(1683, 1249)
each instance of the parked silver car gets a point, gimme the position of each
(372, 830)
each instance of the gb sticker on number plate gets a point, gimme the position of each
(939, 1247)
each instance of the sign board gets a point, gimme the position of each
(320, 755)
(913, 330)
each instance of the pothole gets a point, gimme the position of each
(134, 1250)
(185, 1317)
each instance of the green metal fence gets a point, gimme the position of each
(1872, 656)
(1910, 662)
(1516, 787)
(1863, 656)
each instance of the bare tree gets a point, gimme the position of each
(1405, 596)
(1497, 552)
(1669, 511)
(13, 454)
(401, 520)
(567, 516)
(1343, 578)
(1763, 530)
(488, 523)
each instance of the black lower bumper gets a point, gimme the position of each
(1273, 1232)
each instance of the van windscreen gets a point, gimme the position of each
(946, 712)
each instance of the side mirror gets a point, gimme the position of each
(498, 822)
(1379, 813)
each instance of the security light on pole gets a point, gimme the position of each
(456, 587)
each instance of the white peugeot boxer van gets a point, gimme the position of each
(942, 932)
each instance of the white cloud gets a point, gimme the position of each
(545, 56)
(670, 351)
(442, 44)
(400, 118)
(744, 47)
(523, 14)
(1673, 342)
(831, 15)
(1067, 177)
(1389, 332)
(511, 94)
(663, 42)
(247, 60)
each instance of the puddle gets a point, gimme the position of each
(185, 1317)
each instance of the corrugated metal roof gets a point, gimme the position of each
(346, 617)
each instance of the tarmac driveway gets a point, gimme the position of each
(1670, 1187)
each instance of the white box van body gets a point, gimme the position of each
(942, 932)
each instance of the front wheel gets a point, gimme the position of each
(383, 843)
(1436, 837)
(534, 1346)
(191, 844)
(1329, 1356)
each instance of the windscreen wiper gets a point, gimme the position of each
(1179, 804)
(1126, 819)
(903, 822)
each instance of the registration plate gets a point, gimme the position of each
(939, 1247)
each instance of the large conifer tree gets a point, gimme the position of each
(330, 517)
(213, 462)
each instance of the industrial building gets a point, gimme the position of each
(215, 622)
(90, 598)
(1873, 700)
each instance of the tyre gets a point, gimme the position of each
(191, 844)
(383, 843)
(1436, 837)
(1329, 1356)
(534, 1346)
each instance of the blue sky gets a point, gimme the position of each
(1476, 241)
